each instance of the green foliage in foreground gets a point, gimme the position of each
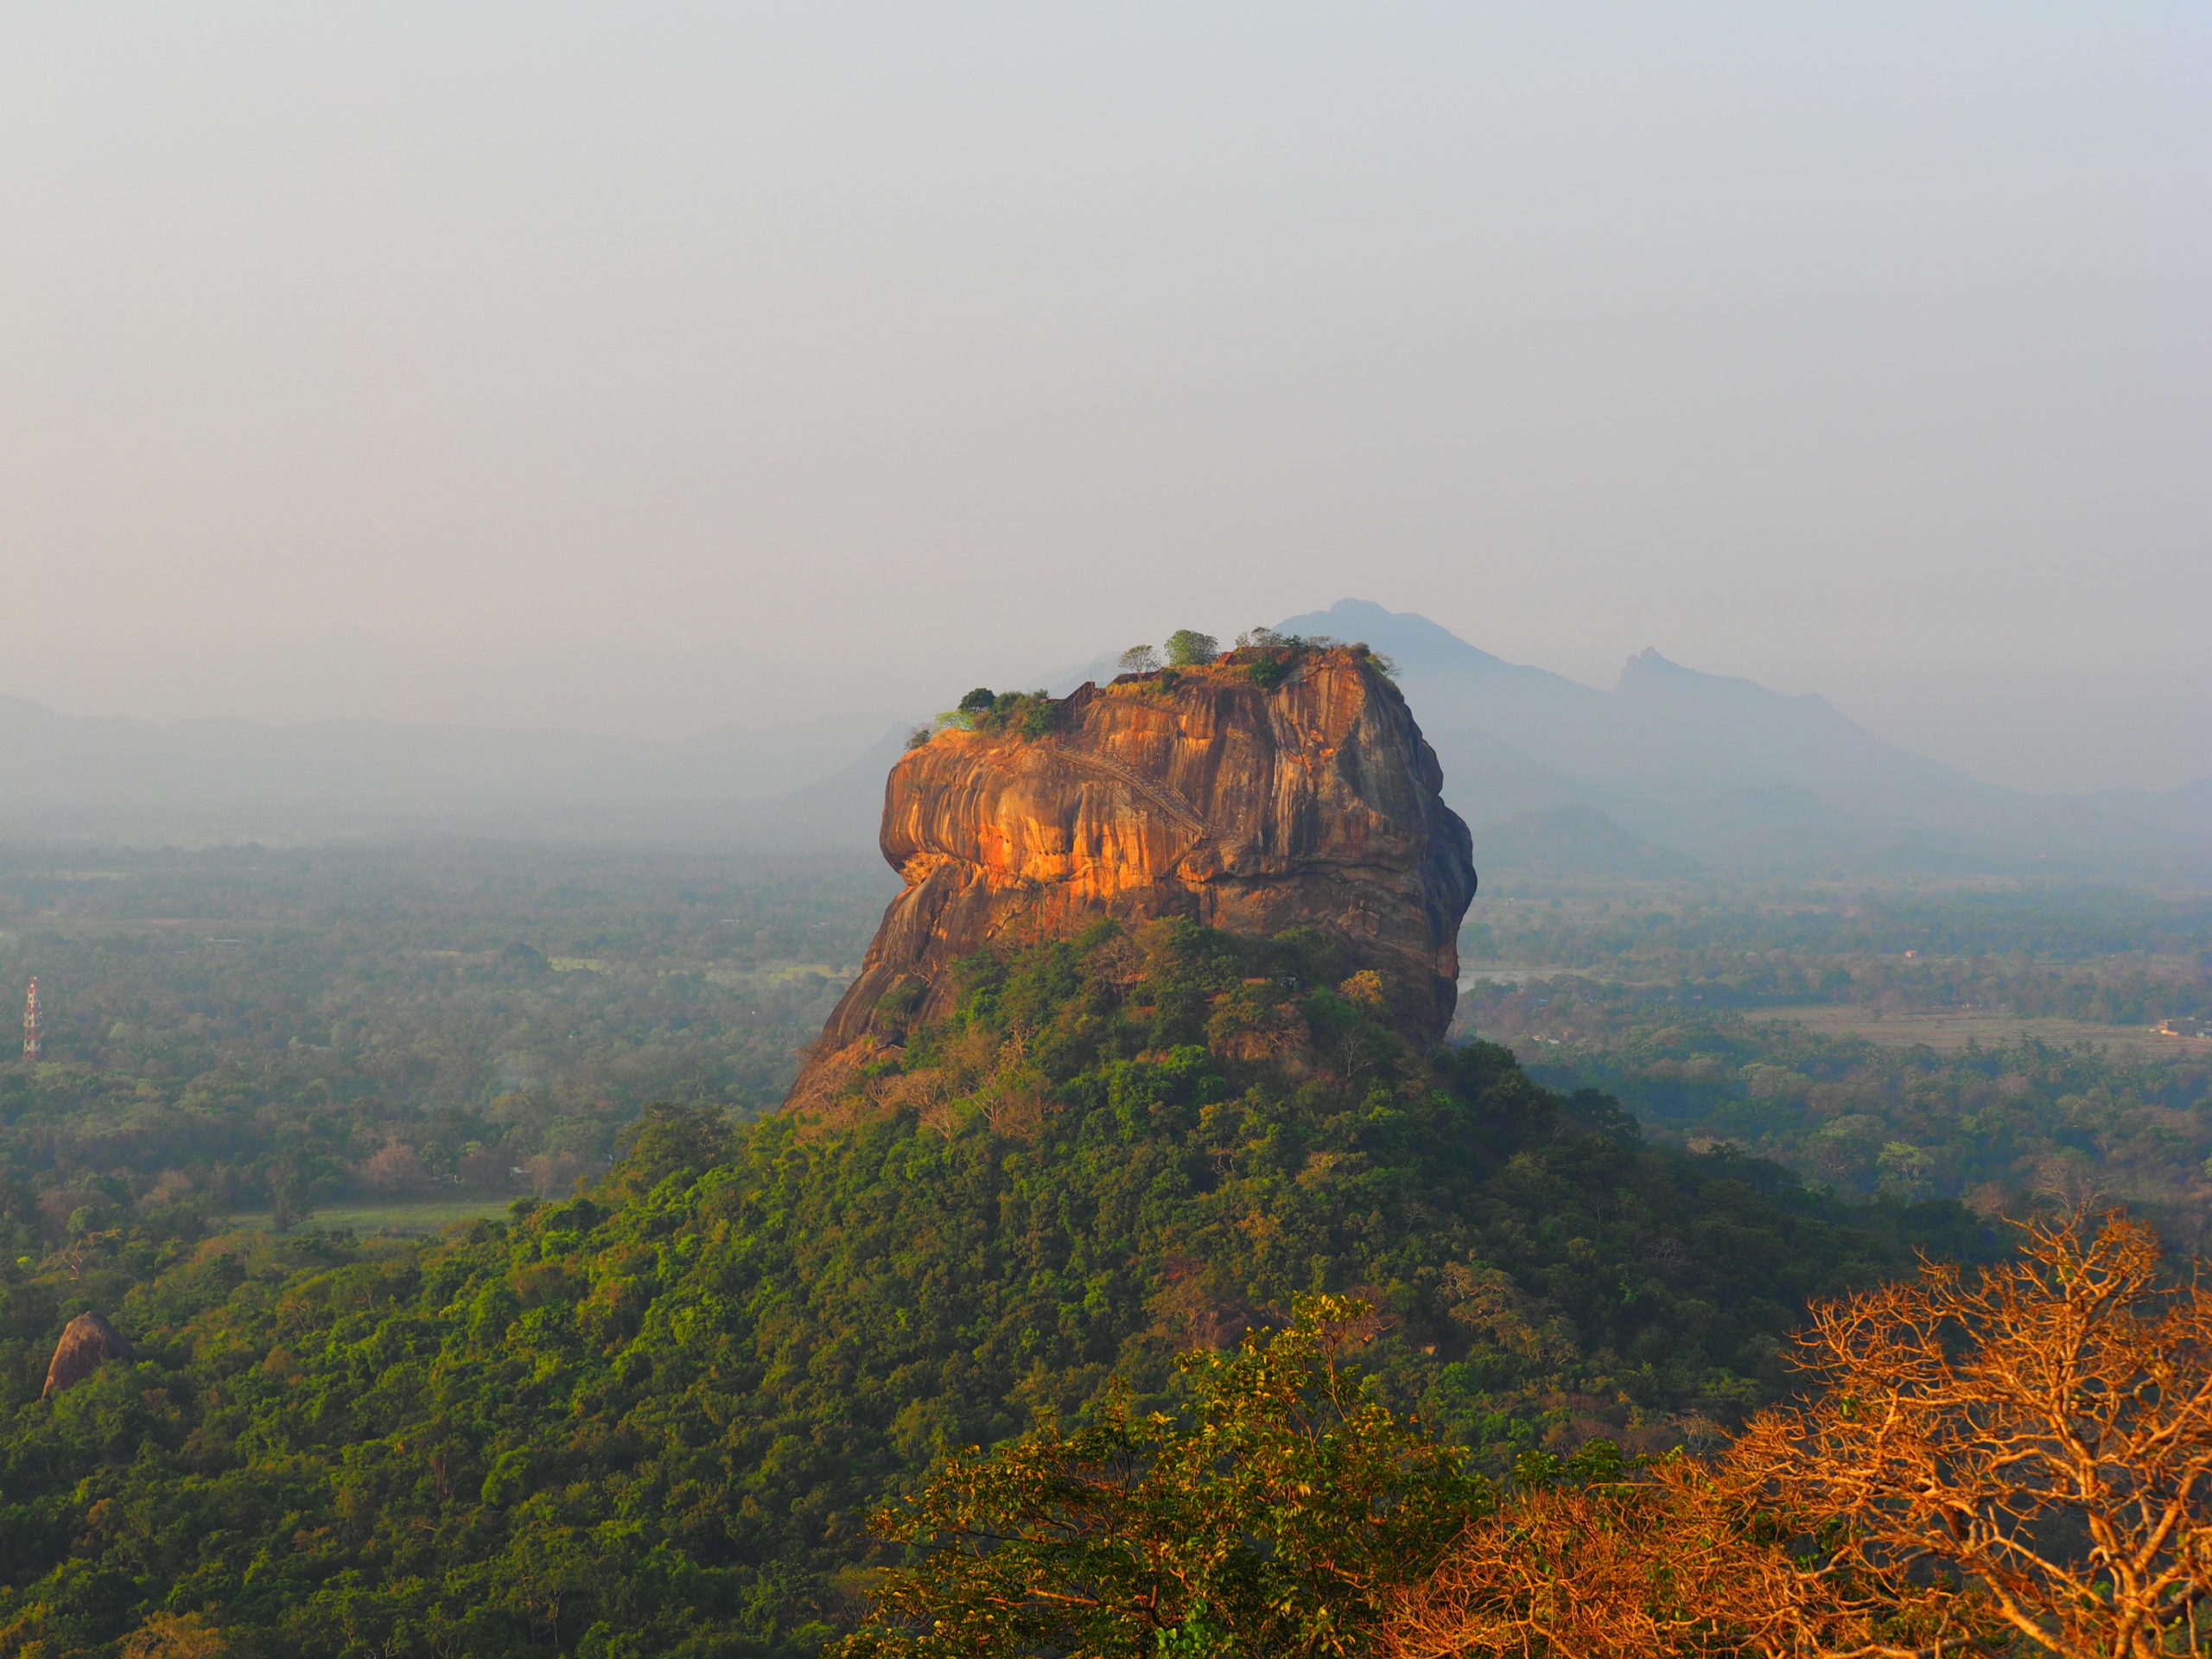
(1274, 1514)
(653, 1421)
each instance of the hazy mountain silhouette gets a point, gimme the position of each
(1725, 772)
(1571, 841)
(1663, 730)
(1670, 764)
(2188, 808)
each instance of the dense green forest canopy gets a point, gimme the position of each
(651, 1419)
(2111, 955)
(248, 1029)
(1992, 1122)
(238, 1027)
(1697, 1010)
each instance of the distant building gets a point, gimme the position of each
(34, 1038)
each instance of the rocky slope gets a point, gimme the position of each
(1205, 793)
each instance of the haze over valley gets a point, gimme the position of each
(1668, 769)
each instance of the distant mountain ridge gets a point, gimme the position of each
(1663, 730)
(1727, 773)
(1684, 769)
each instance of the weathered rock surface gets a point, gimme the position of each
(86, 1342)
(1202, 794)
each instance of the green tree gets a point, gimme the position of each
(1274, 1515)
(667, 1140)
(1188, 648)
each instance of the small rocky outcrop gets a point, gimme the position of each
(87, 1340)
(1269, 789)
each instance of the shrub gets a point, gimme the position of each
(1024, 713)
(1376, 660)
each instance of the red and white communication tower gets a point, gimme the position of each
(34, 1038)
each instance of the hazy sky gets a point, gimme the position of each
(1856, 347)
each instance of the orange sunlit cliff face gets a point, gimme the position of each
(1200, 792)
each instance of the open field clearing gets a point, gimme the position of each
(1950, 1029)
(1504, 973)
(411, 1220)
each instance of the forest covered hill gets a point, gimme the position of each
(651, 1420)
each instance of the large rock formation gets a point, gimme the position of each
(1203, 793)
(86, 1341)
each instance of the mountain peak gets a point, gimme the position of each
(1649, 672)
(1410, 638)
(1360, 610)
(1649, 661)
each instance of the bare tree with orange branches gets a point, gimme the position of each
(2017, 1462)
(1682, 1563)
(2040, 1436)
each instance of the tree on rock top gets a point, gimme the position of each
(1188, 648)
